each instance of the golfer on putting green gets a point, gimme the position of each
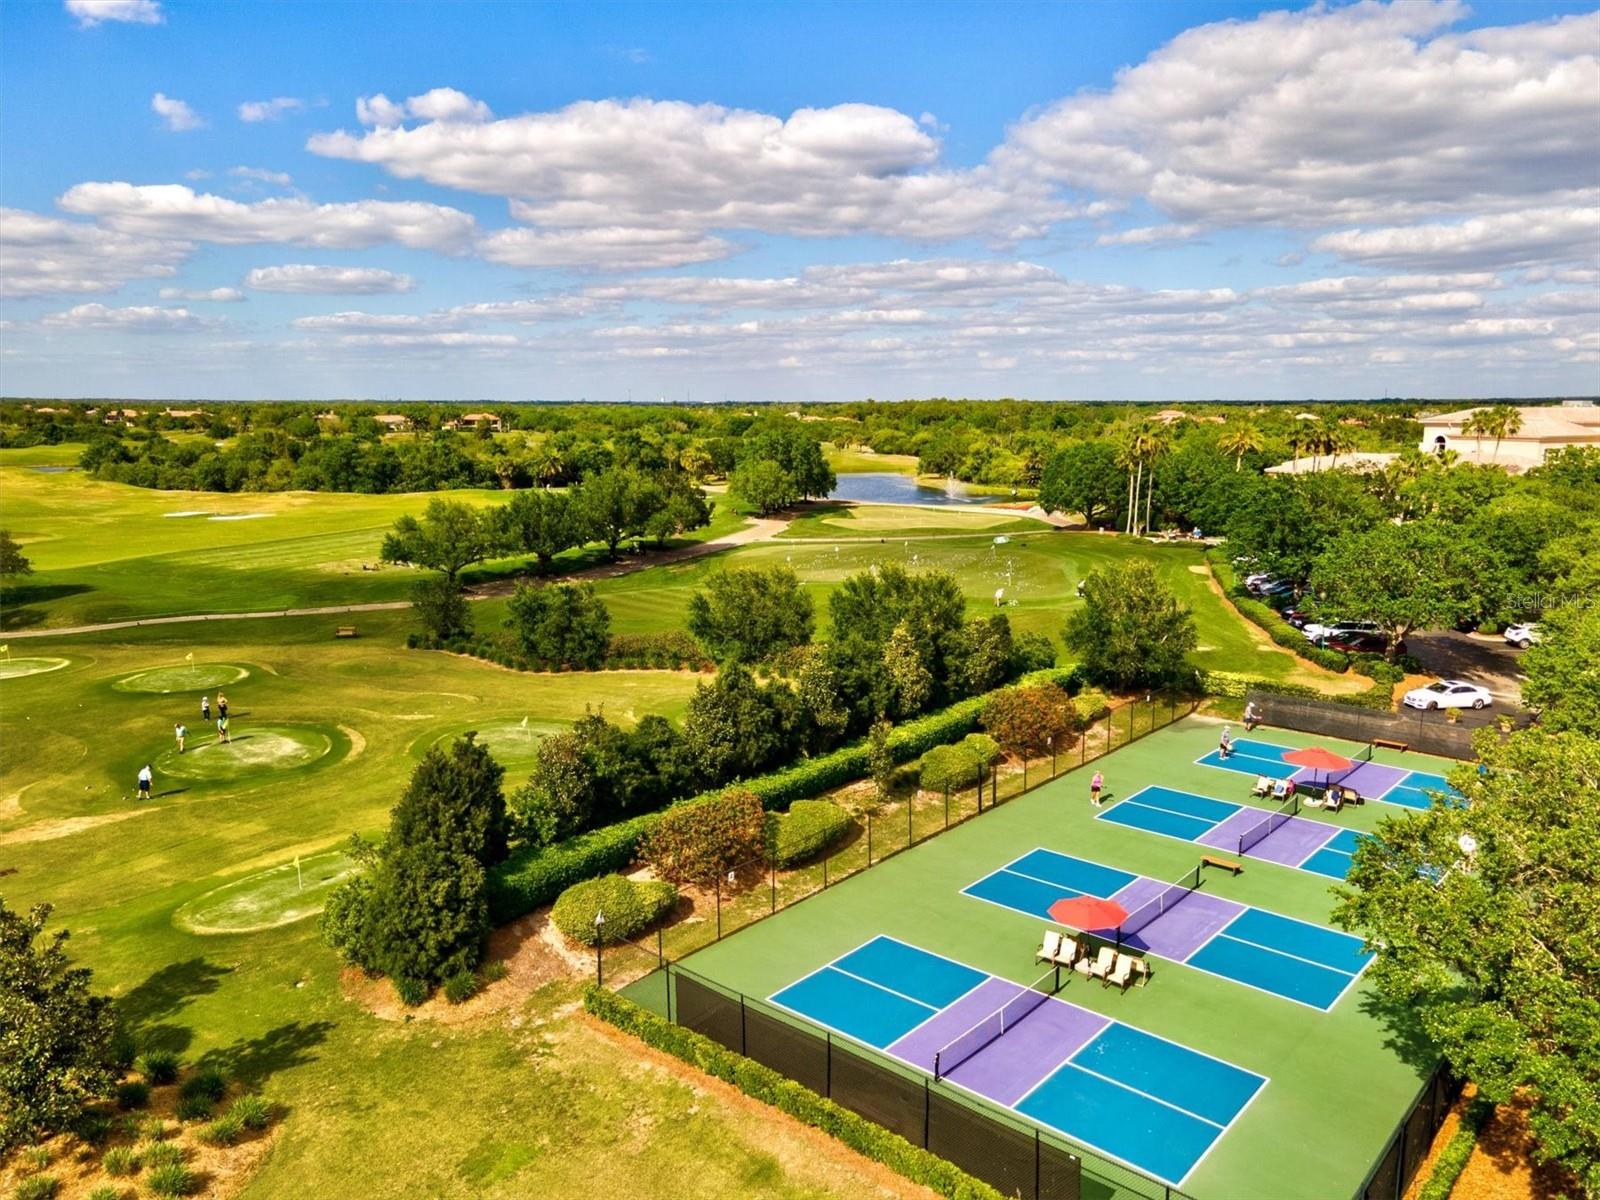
(180, 731)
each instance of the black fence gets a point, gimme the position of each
(1419, 729)
(1397, 1165)
(986, 1142)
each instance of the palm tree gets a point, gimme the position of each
(1157, 442)
(1475, 427)
(1300, 441)
(1338, 440)
(1501, 421)
(1239, 440)
(1125, 437)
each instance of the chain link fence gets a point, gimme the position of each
(1414, 728)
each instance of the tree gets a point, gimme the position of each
(869, 605)
(565, 624)
(764, 486)
(1239, 440)
(1083, 477)
(441, 608)
(880, 759)
(1030, 720)
(1131, 630)
(541, 523)
(609, 506)
(824, 718)
(56, 1036)
(12, 560)
(1563, 670)
(1490, 944)
(734, 727)
(420, 914)
(1419, 575)
(910, 680)
(749, 614)
(450, 537)
(559, 798)
(984, 655)
(796, 451)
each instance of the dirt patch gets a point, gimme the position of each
(48, 831)
(534, 954)
(1502, 1165)
(357, 743)
(796, 1145)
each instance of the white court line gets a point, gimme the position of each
(1076, 1065)
(874, 983)
(1281, 953)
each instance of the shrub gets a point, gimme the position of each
(119, 1161)
(159, 1066)
(124, 1048)
(1032, 652)
(1452, 1160)
(630, 907)
(768, 1086)
(493, 971)
(412, 992)
(93, 1127)
(37, 1187)
(224, 1131)
(104, 1192)
(1090, 704)
(253, 1112)
(807, 829)
(1030, 718)
(132, 1093)
(36, 1158)
(174, 1179)
(194, 1108)
(209, 1083)
(460, 987)
(696, 843)
(161, 1154)
(152, 1129)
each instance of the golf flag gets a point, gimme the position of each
(189, 657)
(6, 649)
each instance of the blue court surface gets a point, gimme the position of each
(1306, 963)
(1146, 1101)
(1375, 781)
(1218, 824)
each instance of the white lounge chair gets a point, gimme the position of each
(1049, 948)
(1122, 974)
(1069, 952)
(1101, 966)
(1263, 786)
(1280, 790)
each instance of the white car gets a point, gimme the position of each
(1522, 635)
(1316, 632)
(1448, 693)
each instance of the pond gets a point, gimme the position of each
(890, 487)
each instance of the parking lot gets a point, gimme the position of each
(1485, 661)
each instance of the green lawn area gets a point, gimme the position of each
(905, 520)
(1360, 1061)
(106, 551)
(848, 459)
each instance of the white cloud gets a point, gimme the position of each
(1148, 235)
(402, 341)
(688, 169)
(46, 255)
(614, 248)
(261, 175)
(518, 312)
(90, 13)
(218, 295)
(172, 210)
(270, 110)
(180, 118)
(441, 104)
(1330, 115)
(138, 319)
(1539, 235)
(307, 279)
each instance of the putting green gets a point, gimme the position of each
(277, 896)
(17, 668)
(512, 740)
(254, 750)
(190, 677)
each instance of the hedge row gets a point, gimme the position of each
(807, 829)
(534, 876)
(1453, 1158)
(629, 906)
(657, 651)
(766, 1085)
(1265, 616)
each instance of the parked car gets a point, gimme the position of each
(1522, 636)
(1448, 693)
(1297, 618)
(1316, 631)
(1360, 642)
(1254, 583)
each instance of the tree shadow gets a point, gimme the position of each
(18, 596)
(146, 1008)
(252, 1061)
(1402, 1032)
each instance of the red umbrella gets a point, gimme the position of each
(1318, 759)
(1088, 912)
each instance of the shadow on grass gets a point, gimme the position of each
(1402, 1032)
(252, 1061)
(147, 1009)
(17, 597)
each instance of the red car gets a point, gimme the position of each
(1361, 643)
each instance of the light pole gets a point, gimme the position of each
(599, 942)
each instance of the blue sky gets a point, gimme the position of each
(781, 202)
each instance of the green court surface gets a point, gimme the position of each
(1338, 1081)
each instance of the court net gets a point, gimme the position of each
(1269, 824)
(994, 1026)
(1174, 893)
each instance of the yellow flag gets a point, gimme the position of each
(189, 657)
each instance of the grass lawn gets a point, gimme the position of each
(191, 910)
(905, 520)
(1359, 1060)
(843, 459)
(106, 551)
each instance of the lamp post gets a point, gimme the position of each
(599, 942)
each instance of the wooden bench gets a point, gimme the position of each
(345, 631)
(1391, 744)
(1225, 864)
